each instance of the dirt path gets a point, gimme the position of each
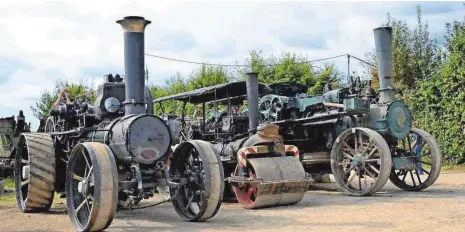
(439, 208)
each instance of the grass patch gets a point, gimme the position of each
(9, 183)
(453, 167)
(8, 200)
(58, 202)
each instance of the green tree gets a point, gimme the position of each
(174, 85)
(441, 97)
(328, 75)
(293, 69)
(288, 68)
(207, 76)
(264, 67)
(202, 77)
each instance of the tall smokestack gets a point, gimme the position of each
(252, 100)
(383, 44)
(133, 27)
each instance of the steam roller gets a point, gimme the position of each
(268, 173)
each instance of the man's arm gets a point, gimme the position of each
(57, 102)
(60, 97)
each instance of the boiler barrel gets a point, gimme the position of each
(143, 138)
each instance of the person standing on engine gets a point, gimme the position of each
(63, 98)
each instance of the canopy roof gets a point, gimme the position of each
(216, 92)
(237, 100)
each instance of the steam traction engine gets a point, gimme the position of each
(115, 152)
(362, 138)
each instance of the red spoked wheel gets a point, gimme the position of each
(247, 194)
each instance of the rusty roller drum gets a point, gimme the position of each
(269, 170)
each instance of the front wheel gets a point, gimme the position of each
(361, 161)
(91, 186)
(199, 174)
(417, 161)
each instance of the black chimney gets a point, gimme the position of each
(134, 27)
(252, 101)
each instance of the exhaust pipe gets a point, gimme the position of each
(134, 27)
(383, 44)
(252, 101)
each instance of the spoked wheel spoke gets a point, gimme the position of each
(418, 156)
(360, 161)
(405, 175)
(423, 162)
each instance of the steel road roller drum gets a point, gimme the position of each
(270, 181)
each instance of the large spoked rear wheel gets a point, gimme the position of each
(35, 172)
(200, 174)
(91, 186)
(361, 161)
(422, 154)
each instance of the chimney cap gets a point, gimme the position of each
(133, 23)
(383, 28)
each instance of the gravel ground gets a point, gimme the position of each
(439, 208)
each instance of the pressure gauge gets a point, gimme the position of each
(112, 104)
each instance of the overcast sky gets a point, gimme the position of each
(41, 43)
